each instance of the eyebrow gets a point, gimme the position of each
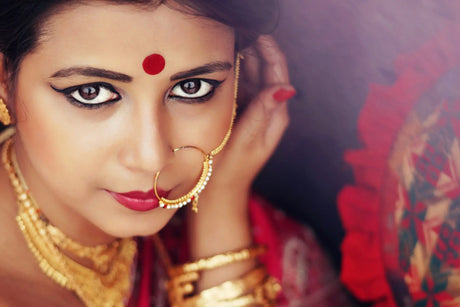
(205, 69)
(92, 72)
(108, 74)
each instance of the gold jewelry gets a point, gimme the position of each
(5, 117)
(255, 288)
(193, 194)
(229, 289)
(108, 284)
(218, 260)
(101, 256)
(183, 277)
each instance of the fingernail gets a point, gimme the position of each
(283, 95)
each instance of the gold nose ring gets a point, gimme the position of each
(193, 195)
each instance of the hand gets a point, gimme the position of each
(260, 128)
(222, 223)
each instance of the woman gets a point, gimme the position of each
(121, 111)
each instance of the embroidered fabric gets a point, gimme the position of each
(408, 161)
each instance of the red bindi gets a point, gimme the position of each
(154, 64)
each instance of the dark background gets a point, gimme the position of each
(336, 50)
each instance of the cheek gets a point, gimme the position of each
(55, 141)
(40, 130)
(207, 127)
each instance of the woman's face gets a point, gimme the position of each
(91, 122)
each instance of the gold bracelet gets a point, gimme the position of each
(264, 295)
(229, 289)
(256, 288)
(218, 260)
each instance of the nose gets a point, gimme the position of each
(146, 148)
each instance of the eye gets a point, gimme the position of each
(90, 95)
(194, 90)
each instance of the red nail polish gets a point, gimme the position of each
(283, 95)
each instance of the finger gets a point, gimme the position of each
(250, 77)
(257, 120)
(251, 65)
(257, 133)
(276, 70)
(276, 127)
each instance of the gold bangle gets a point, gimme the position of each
(256, 288)
(229, 289)
(218, 260)
(264, 294)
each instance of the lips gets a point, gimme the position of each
(138, 200)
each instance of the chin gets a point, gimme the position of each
(133, 227)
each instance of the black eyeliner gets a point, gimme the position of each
(214, 83)
(69, 90)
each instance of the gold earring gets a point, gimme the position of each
(206, 173)
(5, 117)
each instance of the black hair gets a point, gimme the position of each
(21, 21)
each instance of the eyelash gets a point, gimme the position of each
(67, 92)
(214, 84)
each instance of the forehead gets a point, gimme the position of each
(117, 35)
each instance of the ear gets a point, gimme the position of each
(4, 79)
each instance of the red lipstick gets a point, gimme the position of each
(138, 200)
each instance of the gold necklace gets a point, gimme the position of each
(108, 284)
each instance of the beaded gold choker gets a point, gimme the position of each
(106, 283)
